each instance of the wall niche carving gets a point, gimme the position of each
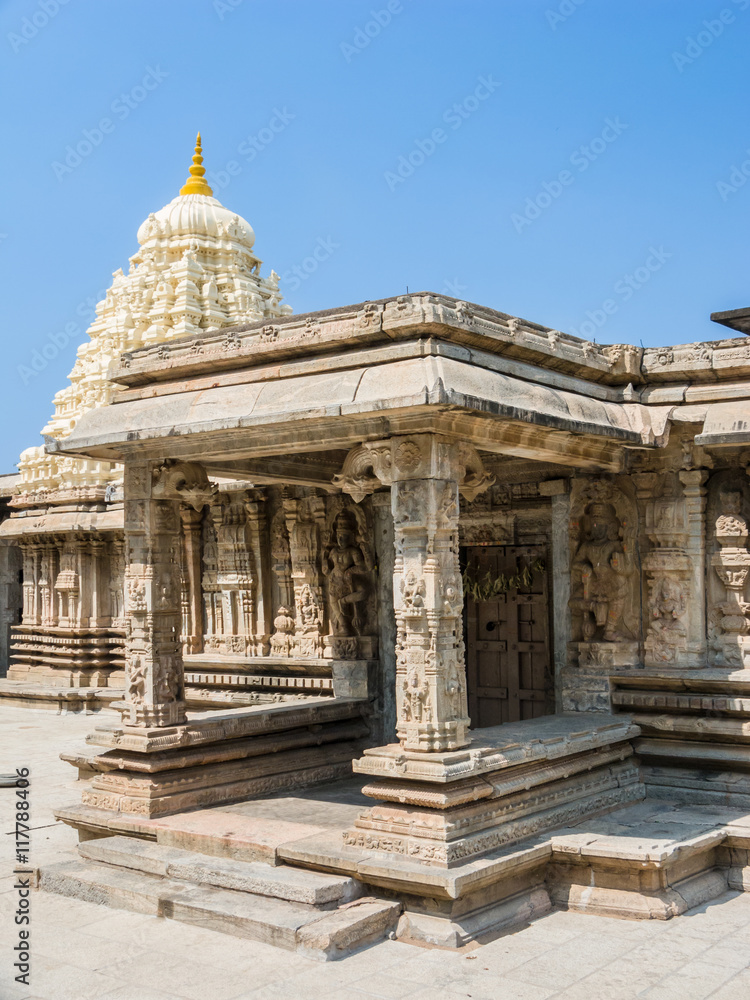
(348, 565)
(604, 582)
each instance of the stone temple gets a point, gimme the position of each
(498, 574)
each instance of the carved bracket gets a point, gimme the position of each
(378, 463)
(185, 481)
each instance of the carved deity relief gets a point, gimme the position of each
(666, 605)
(413, 591)
(415, 704)
(603, 575)
(602, 566)
(348, 567)
(309, 611)
(729, 611)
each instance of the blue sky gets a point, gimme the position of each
(541, 157)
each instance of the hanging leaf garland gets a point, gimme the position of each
(488, 587)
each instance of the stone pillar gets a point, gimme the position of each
(154, 674)
(255, 509)
(385, 554)
(192, 521)
(307, 580)
(29, 555)
(693, 482)
(100, 613)
(558, 492)
(49, 562)
(10, 598)
(426, 472)
(431, 704)
(116, 581)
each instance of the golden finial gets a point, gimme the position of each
(196, 183)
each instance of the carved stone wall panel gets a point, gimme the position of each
(256, 536)
(305, 517)
(672, 546)
(728, 530)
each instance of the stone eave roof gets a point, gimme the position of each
(735, 319)
(424, 314)
(336, 407)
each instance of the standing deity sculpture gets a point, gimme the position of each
(601, 568)
(347, 566)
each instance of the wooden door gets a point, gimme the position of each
(509, 674)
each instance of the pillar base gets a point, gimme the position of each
(171, 713)
(442, 809)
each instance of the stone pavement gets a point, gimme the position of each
(81, 951)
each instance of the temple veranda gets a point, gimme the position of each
(488, 575)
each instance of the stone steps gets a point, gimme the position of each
(315, 914)
(280, 882)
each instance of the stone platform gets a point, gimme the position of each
(651, 860)
(320, 916)
(221, 757)
(532, 816)
(695, 734)
(513, 781)
(63, 700)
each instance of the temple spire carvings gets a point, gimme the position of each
(195, 270)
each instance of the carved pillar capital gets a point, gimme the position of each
(418, 456)
(693, 481)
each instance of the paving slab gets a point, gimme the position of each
(160, 948)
